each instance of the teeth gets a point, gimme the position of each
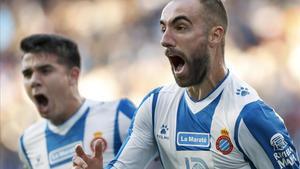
(178, 67)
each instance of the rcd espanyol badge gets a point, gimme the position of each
(223, 143)
(98, 135)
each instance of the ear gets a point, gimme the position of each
(216, 36)
(74, 75)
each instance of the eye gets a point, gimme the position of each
(162, 29)
(181, 27)
(27, 74)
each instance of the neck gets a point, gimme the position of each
(73, 105)
(210, 81)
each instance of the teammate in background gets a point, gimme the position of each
(51, 69)
(210, 118)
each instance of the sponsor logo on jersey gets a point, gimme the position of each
(98, 135)
(278, 142)
(193, 139)
(242, 91)
(283, 153)
(63, 153)
(223, 143)
(163, 132)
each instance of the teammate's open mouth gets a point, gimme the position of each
(177, 63)
(41, 100)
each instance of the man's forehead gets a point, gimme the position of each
(179, 7)
(30, 59)
(39, 56)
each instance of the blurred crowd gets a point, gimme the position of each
(122, 56)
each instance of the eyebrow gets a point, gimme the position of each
(178, 18)
(38, 67)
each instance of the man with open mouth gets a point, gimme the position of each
(51, 69)
(210, 118)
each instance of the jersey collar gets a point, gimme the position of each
(64, 128)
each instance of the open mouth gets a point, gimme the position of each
(177, 63)
(41, 100)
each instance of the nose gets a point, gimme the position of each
(35, 80)
(167, 39)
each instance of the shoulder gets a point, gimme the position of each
(36, 128)
(34, 131)
(261, 120)
(166, 91)
(259, 113)
(154, 91)
(254, 113)
(240, 91)
(237, 95)
(102, 106)
(123, 105)
(126, 103)
(161, 94)
(171, 89)
(126, 107)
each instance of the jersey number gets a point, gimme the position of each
(195, 163)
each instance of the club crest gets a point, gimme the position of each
(223, 143)
(98, 135)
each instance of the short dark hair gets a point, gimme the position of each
(65, 49)
(215, 13)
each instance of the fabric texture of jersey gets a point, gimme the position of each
(230, 128)
(46, 146)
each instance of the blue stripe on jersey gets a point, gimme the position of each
(153, 92)
(110, 165)
(194, 126)
(24, 150)
(264, 124)
(154, 102)
(61, 147)
(127, 108)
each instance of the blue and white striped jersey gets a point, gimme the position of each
(230, 128)
(46, 146)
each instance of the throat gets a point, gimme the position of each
(199, 92)
(58, 121)
(195, 94)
